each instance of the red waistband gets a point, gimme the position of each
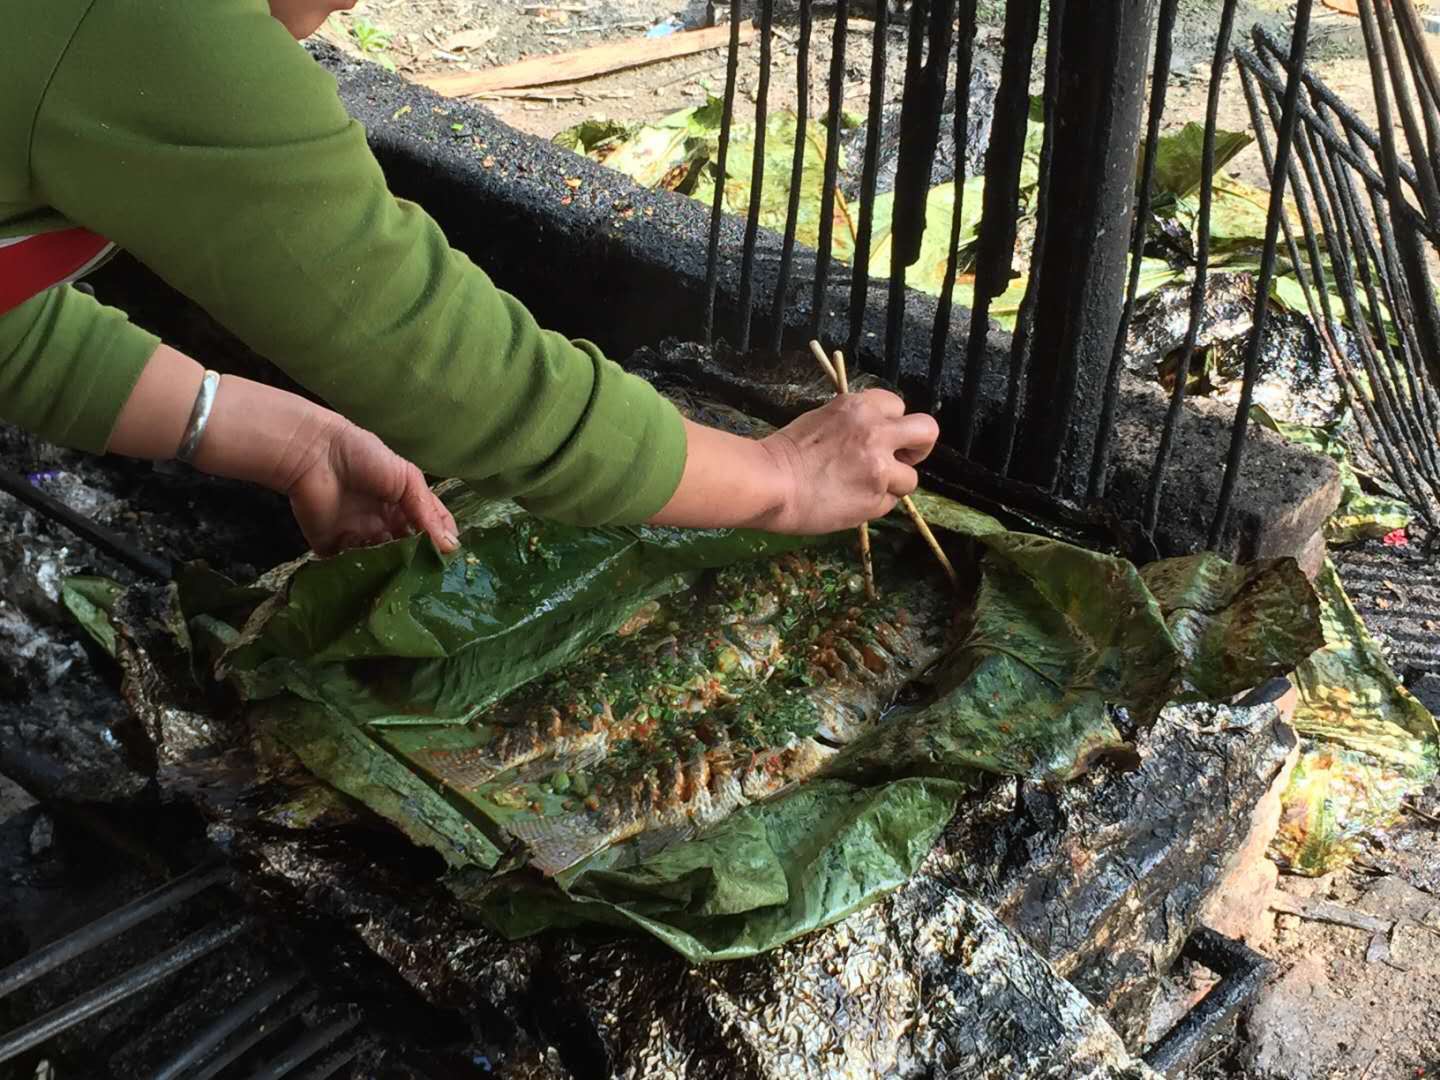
(31, 264)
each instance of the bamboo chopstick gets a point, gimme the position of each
(836, 371)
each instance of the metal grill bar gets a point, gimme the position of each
(50, 957)
(1020, 342)
(1159, 81)
(927, 66)
(820, 298)
(229, 1022)
(1284, 143)
(722, 156)
(1202, 267)
(1002, 194)
(138, 978)
(305, 1048)
(797, 172)
(268, 1025)
(964, 65)
(757, 176)
(869, 177)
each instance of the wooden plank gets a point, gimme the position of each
(584, 63)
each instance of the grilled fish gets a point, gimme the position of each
(664, 782)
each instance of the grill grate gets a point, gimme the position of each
(1398, 593)
(274, 1030)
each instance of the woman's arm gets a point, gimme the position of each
(345, 487)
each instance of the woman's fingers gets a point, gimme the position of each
(914, 435)
(426, 512)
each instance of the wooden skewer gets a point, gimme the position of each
(867, 562)
(836, 371)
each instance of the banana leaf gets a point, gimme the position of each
(1060, 653)
(1367, 742)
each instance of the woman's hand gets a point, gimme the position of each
(846, 462)
(354, 491)
(346, 487)
(851, 460)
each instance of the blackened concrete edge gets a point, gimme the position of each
(594, 255)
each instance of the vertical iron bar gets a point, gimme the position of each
(1284, 141)
(820, 298)
(1159, 81)
(757, 177)
(1003, 161)
(797, 174)
(925, 81)
(900, 208)
(869, 176)
(717, 206)
(1021, 339)
(1202, 268)
(964, 63)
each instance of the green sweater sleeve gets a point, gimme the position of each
(203, 139)
(67, 364)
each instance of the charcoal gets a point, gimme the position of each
(1105, 877)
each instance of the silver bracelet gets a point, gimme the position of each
(199, 417)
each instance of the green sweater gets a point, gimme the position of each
(199, 136)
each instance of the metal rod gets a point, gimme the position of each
(330, 1064)
(1003, 160)
(1023, 337)
(1420, 159)
(121, 987)
(1159, 81)
(901, 208)
(1412, 259)
(1380, 439)
(1284, 142)
(227, 1024)
(797, 175)
(1324, 321)
(305, 1048)
(964, 63)
(50, 957)
(266, 1026)
(1218, 64)
(927, 66)
(1349, 121)
(112, 543)
(717, 205)
(757, 177)
(869, 177)
(820, 298)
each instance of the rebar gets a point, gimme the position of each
(1283, 144)
(108, 994)
(966, 30)
(757, 177)
(820, 297)
(1218, 64)
(797, 175)
(79, 942)
(1003, 161)
(722, 156)
(869, 178)
(1159, 80)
